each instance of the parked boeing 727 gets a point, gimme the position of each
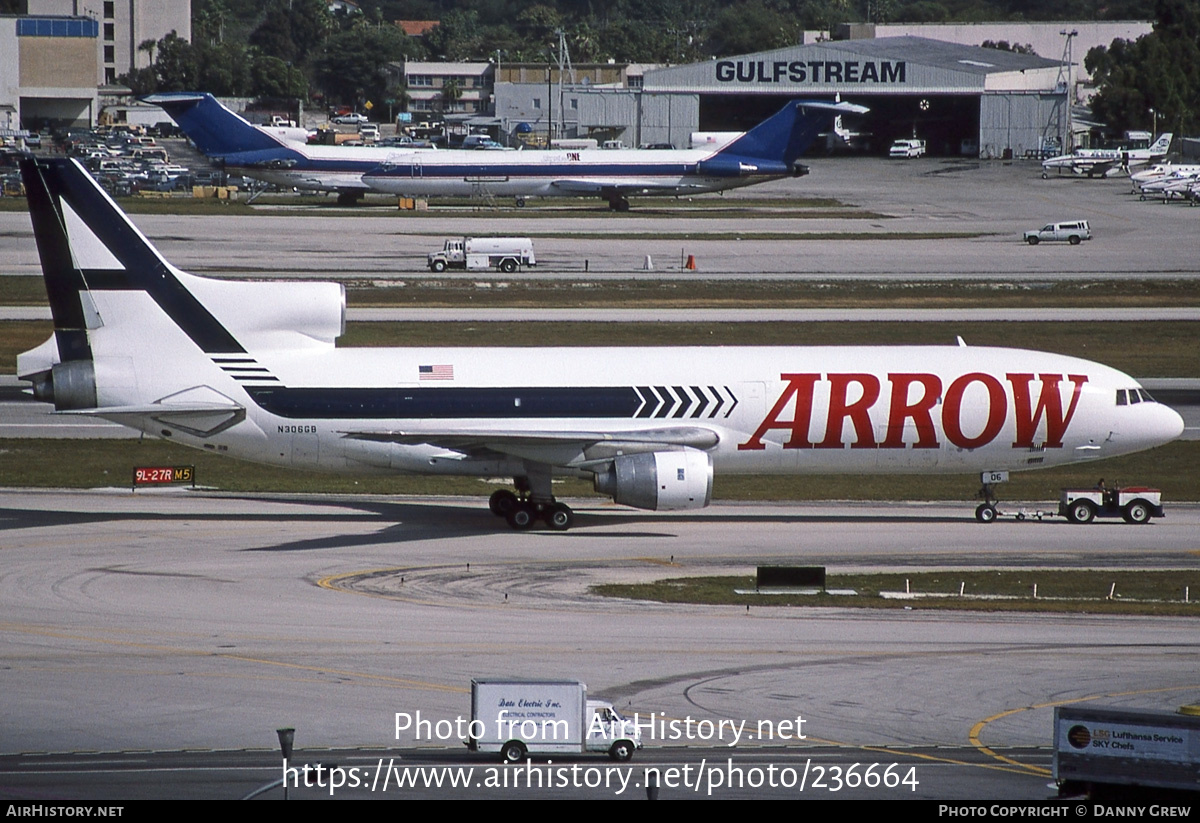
(767, 152)
(251, 370)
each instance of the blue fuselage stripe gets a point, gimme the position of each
(447, 402)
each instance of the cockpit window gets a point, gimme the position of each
(1134, 397)
(1121, 398)
(1146, 396)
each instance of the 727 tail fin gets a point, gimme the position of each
(785, 136)
(214, 129)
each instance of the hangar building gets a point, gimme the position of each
(963, 100)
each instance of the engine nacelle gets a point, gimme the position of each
(660, 481)
(69, 386)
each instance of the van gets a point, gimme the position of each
(1074, 232)
(907, 148)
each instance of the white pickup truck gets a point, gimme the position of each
(1074, 232)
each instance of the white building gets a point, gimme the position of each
(426, 83)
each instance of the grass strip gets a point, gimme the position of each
(574, 291)
(54, 463)
(1064, 591)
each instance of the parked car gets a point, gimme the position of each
(354, 119)
(1074, 232)
(907, 148)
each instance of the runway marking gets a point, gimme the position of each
(380, 678)
(895, 752)
(977, 729)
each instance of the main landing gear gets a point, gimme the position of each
(618, 203)
(524, 507)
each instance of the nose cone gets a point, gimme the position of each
(1155, 424)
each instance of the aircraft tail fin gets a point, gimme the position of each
(88, 246)
(785, 136)
(214, 129)
(1163, 144)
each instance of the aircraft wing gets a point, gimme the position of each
(623, 185)
(563, 448)
(1101, 167)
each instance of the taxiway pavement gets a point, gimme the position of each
(178, 620)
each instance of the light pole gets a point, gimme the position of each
(1069, 143)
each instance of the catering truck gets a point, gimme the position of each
(518, 718)
(1118, 753)
(476, 253)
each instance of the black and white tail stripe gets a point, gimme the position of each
(245, 369)
(678, 402)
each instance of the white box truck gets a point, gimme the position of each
(476, 253)
(517, 718)
(1122, 754)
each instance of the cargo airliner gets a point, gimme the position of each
(251, 370)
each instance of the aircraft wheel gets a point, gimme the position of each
(985, 513)
(502, 502)
(1045, 176)
(622, 205)
(560, 517)
(521, 517)
(1081, 511)
(520, 202)
(1033, 241)
(1137, 512)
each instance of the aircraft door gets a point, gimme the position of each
(306, 447)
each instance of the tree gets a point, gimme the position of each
(1159, 71)
(751, 27)
(352, 67)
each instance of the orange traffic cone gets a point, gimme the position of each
(691, 263)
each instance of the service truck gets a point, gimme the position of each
(518, 718)
(476, 253)
(1118, 753)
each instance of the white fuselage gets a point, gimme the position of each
(913, 409)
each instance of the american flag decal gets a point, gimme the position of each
(442, 372)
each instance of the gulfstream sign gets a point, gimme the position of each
(810, 71)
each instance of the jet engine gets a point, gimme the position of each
(70, 385)
(661, 481)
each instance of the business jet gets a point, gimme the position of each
(273, 155)
(251, 370)
(1093, 162)
(769, 151)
